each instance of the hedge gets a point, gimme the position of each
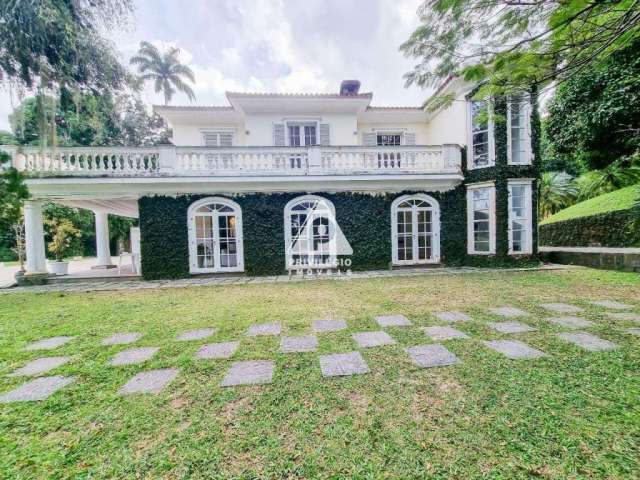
(620, 228)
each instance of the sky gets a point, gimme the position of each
(276, 46)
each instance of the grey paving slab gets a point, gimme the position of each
(633, 331)
(571, 322)
(511, 327)
(428, 356)
(343, 364)
(561, 308)
(372, 339)
(308, 343)
(508, 312)
(633, 317)
(452, 316)
(199, 334)
(217, 350)
(254, 372)
(444, 333)
(37, 389)
(48, 343)
(612, 304)
(588, 341)
(122, 338)
(514, 349)
(151, 381)
(329, 325)
(133, 356)
(264, 329)
(40, 365)
(393, 321)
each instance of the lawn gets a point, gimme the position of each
(572, 414)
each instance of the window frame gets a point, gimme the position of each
(528, 208)
(471, 250)
(435, 228)
(527, 151)
(192, 234)
(301, 124)
(490, 135)
(218, 132)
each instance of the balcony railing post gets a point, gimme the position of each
(167, 159)
(451, 156)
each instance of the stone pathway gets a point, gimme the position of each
(151, 381)
(329, 325)
(612, 304)
(37, 389)
(343, 364)
(122, 338)
(511, 327)
(452, 316)
(561, 308)
(571, 322)
(588, 341)
(40, 365)
(372, 339)
(48, 343)
(428, 356)
(199, 334)
(514, 349)
(393, 321)
(633, 317)
(264, 329)
(217, 350)
(443, 333)
(254, 372)
(133, 356)
(307, 343)
(633, 331)
(508, 312)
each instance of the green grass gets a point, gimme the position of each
(573, 414)
(609, 202)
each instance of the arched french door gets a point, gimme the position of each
(415, 223)
(215, 236)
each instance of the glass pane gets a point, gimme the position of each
(294, 136)
(310, 135)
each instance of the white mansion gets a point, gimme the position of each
(241, 183)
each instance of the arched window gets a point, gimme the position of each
(415, 223)
(309, 230)
(215, 236)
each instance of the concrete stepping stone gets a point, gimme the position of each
(571, 322)
(508, 312)
(343, 364)
(511, 327)
(428, 356)
(393, 321)
(372, 339)
(199, 334)
(561, 308)
(328, 325)
(48, 343)
(307, 343)
(151, 381)
(122, 338)
(40, 365)
(633, 317)
(443, 333)
(612, 304)
(633, 331)
(217, 350)
(255, 372)
(264, 329)
(452, 316)
(37, 389)
(588, 341)
(514, 349)
(133, 356)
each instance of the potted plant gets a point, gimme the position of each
(63, 232)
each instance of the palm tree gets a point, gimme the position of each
(166, 71)
(621, 173)
(557, 191)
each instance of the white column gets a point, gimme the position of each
(34, 237)
(102, 241)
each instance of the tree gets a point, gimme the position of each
(557, 191)
(13, 193)
(164, 69)
(514, 44)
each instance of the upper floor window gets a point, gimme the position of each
(302, 135)
(211, 138)
(480, 134)
(519, 131)
(392, 139)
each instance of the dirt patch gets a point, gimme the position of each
(179, 403)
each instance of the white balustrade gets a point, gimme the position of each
(236, 161)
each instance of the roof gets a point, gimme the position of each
(367, 95)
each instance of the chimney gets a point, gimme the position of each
(349, 87)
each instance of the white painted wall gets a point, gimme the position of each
(450, 124)
(190, 134)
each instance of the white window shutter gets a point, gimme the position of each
(325, 134)
(409, 138)
(369, 139)
(210, 139)
(278, 134)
